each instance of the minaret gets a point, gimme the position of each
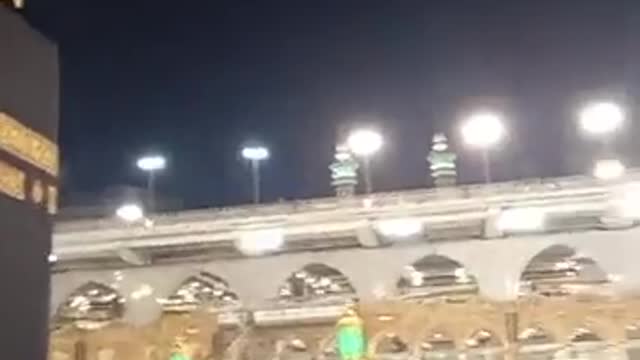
(442, 162)
(344, 172)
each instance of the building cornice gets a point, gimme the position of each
(330, 217)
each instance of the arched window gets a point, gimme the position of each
(436, 277)
(316, 282)
(203, 289)
(560, 271)
(92, 305)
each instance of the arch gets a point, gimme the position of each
(202, 289)
(316, 282)
(559, 270)
(92, 304)
(437, 277)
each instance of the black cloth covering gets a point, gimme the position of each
(29, 92)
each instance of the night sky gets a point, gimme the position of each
(194, 79)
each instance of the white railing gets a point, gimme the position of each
(300, 219)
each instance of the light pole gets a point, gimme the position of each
(483, 131)
(601, 120)
(255, 155)
(364, 143)
(151, 164)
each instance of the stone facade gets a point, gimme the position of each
(560, 320)
(461, 285)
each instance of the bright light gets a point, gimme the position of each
(148, 223)
(261, 242)
(399, 227)
(609, 169)
(52, 258)
(143, 291)
(416, 278)
(626, 202)
(462, 276)
(601, 118)
(483, 130)
(152, 163)
(130, 212)
(521, 220)
(255, 153)
(364, 142)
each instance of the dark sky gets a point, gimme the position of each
(194, 79)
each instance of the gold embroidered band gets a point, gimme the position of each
(28, 145)
(12, 181)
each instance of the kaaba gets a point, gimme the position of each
(28, 182)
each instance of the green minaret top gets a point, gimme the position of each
(442, 162)
(344, 172)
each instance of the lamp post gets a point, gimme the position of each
(151, 164)
(601, 120)
(483, 131)
(364, 143)
(255, 155)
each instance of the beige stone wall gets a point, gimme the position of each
(413, 323)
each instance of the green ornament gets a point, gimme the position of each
(344, 172)
(442, 162)
(179, 356)
(351, 338)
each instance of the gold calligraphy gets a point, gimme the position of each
(12, 181)
(28, 145)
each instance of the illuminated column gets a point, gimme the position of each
(344, 172)
(442, 162)
(255, 155)
(364, 143)
(601, 121)
(483, 131)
